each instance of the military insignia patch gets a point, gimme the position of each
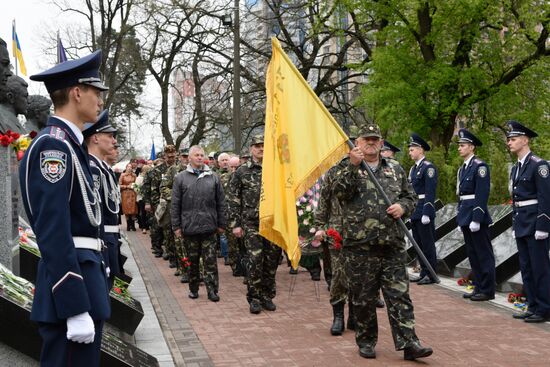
(97, 182)
(53, 165)
(482, 171)
(431, 172)
(543, 171)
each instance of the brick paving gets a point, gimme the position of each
(203, 333)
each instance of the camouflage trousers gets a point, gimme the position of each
(169, 243)
(261, 266)
(202, 246)
(156, 235)
(368, 269)
(339, 287)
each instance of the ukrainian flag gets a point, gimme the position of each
(17, 51)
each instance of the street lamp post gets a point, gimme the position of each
(237, 80)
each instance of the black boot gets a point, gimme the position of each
(351, 317)
(337, 327)
(128, 226)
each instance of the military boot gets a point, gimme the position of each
(351, 317)
(337, 327)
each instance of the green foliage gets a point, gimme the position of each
(442, 61)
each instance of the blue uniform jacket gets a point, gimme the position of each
(424, 182)
(474, 180)
(109, 204)
(532, 183)
(70, 281)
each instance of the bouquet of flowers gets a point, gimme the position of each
(120, 290)
(305, 209)
(18, 142)
(137, 188)
(15, 288)
(27, 240)
(185, 263)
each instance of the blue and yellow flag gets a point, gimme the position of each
(302, 141)
(18, 54)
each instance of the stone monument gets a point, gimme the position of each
(8, 120)
(38, 111)
(11, 89)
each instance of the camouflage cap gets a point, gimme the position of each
(257, 139)
(184, 151)
(369, 130)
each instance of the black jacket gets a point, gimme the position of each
(198, 202)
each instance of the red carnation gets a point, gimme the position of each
(5, 140)
(118, 290)
(32, 134)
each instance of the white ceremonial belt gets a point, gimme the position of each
(467, 197)
(111, 229)
(526, 202)
(422, 196)
(89, 243)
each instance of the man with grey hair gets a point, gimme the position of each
(198, 213)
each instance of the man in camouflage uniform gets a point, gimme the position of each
(155, 233)
(152, 201)
(223, 171)
(263, 256)
(174, 246)
(374, 245)
(162, 214)
(328, 215)
(235, 250)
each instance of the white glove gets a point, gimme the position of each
(474, 226)
(108, 271)
(425, 219)
(459, 228)
(80, 328)
(540, 235)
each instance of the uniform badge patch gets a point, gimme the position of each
(97, 182)
(482, 171)
(431, 172)
(53, 165)
(543, 171)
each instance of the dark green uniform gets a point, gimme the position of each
(174, 246)
(155, 233)
(156, 178)
(328, 215)
(243, 197)
(374, 250)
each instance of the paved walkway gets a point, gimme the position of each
(203, 333)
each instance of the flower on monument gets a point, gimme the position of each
(33, 134)
(18, 142)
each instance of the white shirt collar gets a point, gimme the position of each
(467, 161)
(419, 161)
(522, 160)
(76, 131)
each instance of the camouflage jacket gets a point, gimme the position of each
(328, 213)
(156, 178)
(243, 195)
(364, 216)
(146, 187)
(167, 181)
(225, 176)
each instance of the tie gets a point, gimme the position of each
(517, 170)
(462, 171)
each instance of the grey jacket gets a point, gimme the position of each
(198, 202)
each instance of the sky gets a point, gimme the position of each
(37, 18)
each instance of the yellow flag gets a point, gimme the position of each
(302, 141)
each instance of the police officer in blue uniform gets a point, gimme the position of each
(530, 190)
(100, 138)
(389, 150)
(423, 178)
(71, 300)
(473, 186)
